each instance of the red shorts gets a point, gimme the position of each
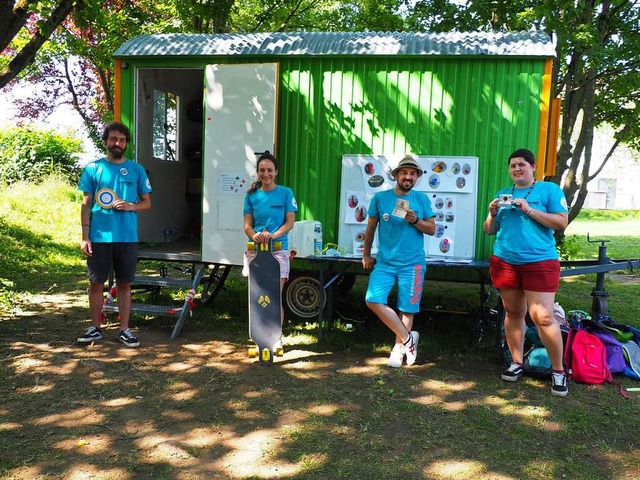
(534, 277)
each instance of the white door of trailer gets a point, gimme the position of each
(240, 124)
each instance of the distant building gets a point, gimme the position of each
(616, 186)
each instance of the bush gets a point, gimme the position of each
(7, 297)
(32, 155)
(568, 249)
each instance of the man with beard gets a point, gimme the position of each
(403, 216)
(115, 189)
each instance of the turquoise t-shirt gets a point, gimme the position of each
(269, 210)
(128, 180)
(400, 244)
(519, 238)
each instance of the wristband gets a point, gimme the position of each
(416, 221)
(86, 225)
(529, 212)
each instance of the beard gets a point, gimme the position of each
(116, 152)
(405, 186)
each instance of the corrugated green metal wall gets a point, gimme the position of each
(330, 106)
(438, 106)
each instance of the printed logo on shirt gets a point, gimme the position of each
(278, 207)
(563, 202)
(123, 171)
(294, 203)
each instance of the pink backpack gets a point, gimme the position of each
(585, 358)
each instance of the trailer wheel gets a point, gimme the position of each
(213, 282)
(303, 297)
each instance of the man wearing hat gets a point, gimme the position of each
(402, 216)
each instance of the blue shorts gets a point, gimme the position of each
(410, 283)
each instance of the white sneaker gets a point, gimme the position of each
(397, 356)
(411, 347)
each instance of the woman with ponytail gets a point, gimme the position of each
(269, 214)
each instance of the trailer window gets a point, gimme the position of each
(165, 125)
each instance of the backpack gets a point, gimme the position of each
(621, 332)
(615, 357)
(632, 355)
(536, 361)
(586, 358)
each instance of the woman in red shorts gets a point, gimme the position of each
(524, 264)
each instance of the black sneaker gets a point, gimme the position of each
(559, 384)
(128, 338)
(93, 334)
(513, 373)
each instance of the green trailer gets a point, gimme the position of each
(202, 107)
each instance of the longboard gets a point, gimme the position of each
(265, 327)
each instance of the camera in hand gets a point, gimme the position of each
(505, 200)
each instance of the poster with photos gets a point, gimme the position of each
(357, 238)
(357, 207)
(449, 182)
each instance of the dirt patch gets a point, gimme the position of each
(625, 278)
(198, 408)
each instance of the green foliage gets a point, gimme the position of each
(28, 154)
(6, 297)
(607, 215)
(620, 228)
(569, 248)
(40, 231)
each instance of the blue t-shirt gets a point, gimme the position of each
(269, 210)
(519, 238)
(400, 244)
(128, 180)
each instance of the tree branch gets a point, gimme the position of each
(28, 53)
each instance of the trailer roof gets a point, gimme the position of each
(523, 44)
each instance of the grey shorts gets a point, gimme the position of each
(122, 257)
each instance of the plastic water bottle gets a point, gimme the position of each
(317, 239)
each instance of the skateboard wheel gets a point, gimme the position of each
(277, 245)
(251, 246)
(252, 352)
(266, 355)
(279, 352)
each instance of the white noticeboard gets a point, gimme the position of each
(240, 124)
(451, 184)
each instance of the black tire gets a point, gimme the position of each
(213, 282)
(303, 297)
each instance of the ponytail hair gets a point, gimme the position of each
(265, 156)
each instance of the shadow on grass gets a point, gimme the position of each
(198, 408)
